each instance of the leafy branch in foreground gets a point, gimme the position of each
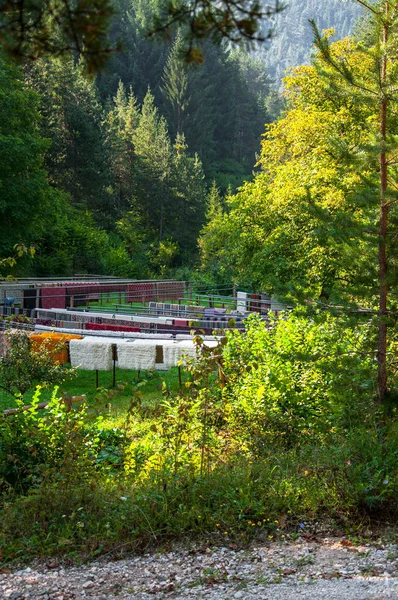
(235, 20)
(32, 28)
(11, 261)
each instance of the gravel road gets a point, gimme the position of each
(310, 568)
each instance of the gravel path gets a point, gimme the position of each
(313, 568)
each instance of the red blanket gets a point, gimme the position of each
(102, 327)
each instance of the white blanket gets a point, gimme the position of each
(138, 355)
(91, 354)
(171, 354)
(187, 349)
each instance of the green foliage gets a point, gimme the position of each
(164, 256)
(305, 227)
(219, 106)
(216, 458)
(237, 21)
(273, 425)
(346, 482)
(175, 86)
(214, 238)
(66, 238)
(189, 423)
(24, 187)
(35, 446)
(120, 124)
(293, 38)
(114, 161)
(8, 263)
(160, 187)
(288, 382)
(42, 28)
(77, 160)
(73, 243)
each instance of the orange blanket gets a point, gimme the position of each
(54, 343)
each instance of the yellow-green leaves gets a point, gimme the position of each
(303, 228)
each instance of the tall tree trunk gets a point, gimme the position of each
(382, 337)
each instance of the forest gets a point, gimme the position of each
(176, 160)
(123, 161)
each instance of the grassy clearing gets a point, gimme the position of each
(116, 406)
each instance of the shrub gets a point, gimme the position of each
(296, 379)
(35, 445)
(21, 369)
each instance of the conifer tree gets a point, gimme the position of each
(214, 207)
(153, 149)
(213, 241)
(175, 86)
(120, 124)
(77, 160)
(189, 195)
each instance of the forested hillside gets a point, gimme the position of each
(293, 38)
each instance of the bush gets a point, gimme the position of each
(21, 368)
(38, 445)
(296, 380)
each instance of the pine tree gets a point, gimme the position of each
(214, 208)
(142, 61)
(120, 124)
(153, 149)
(213, 240)
(77, 161)
(175, 86)
(189, 195)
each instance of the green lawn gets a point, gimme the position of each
(109, 301)
(111, 402)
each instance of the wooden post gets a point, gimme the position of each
(114, 357)
(235, 295)
(179, 377)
